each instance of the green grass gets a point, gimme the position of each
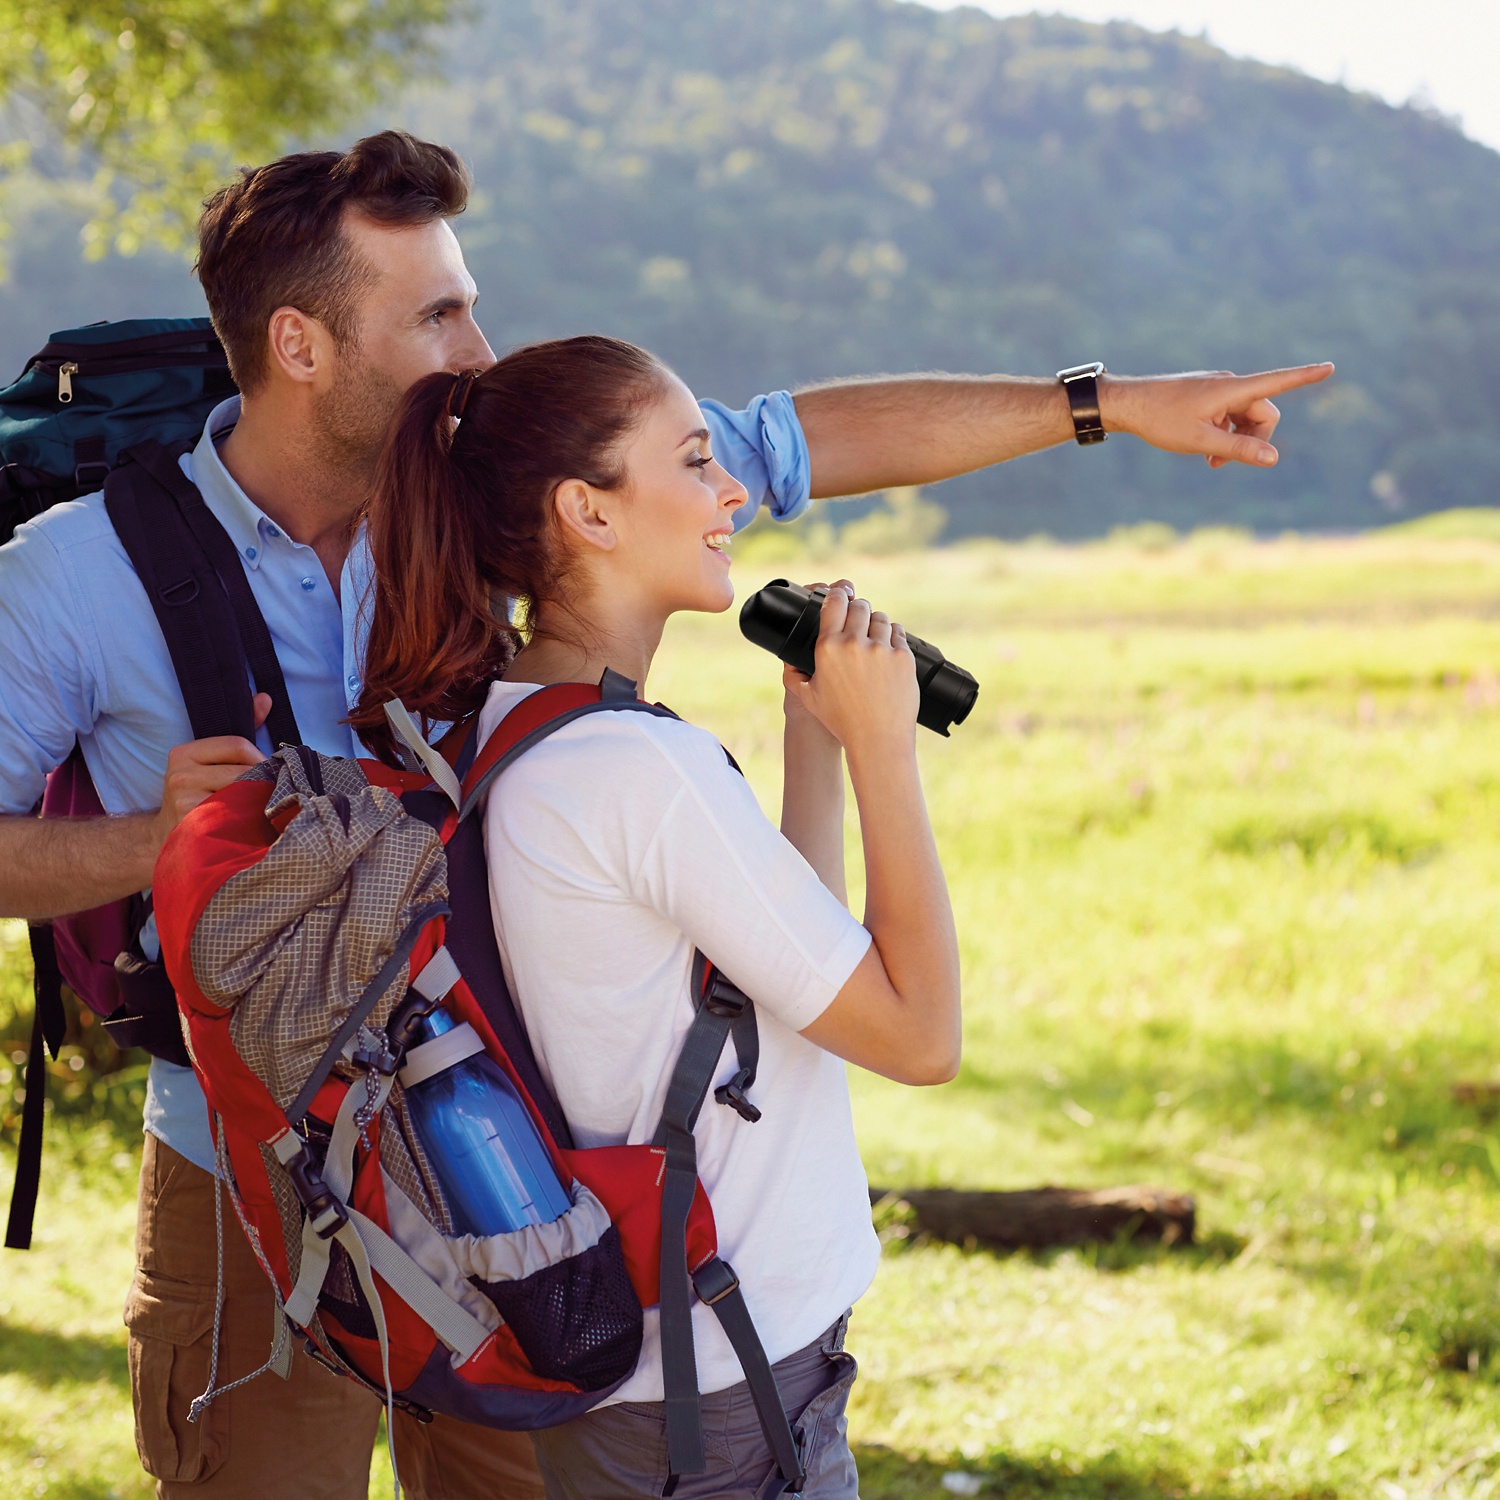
(1222, 837)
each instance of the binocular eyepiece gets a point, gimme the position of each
(783, 618)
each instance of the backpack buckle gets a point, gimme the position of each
(376, 1060)
(733, 1094)
(724, 998)
(324, 1211)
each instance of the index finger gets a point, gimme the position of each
(834, 612)
(1274, 382)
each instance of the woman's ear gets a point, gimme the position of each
(585, 514)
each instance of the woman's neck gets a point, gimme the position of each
(624, 645)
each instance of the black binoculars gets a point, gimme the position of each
(783, 618)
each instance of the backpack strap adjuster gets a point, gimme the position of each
(733, 1094)
(714, 1281)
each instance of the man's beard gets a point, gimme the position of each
(353, 418)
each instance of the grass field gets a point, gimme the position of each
(1224, 839)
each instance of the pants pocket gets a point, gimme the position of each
(822, 1432)
(171, 1341)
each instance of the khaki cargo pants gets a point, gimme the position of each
(306, 1438)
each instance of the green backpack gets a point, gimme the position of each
(92, 392)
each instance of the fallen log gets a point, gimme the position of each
(1036, 1218)
(1483, 1092)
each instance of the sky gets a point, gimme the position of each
(1445, 53)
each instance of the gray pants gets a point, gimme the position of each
(620, 1452)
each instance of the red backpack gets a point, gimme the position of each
(308, 914)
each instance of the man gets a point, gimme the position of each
(335, 282)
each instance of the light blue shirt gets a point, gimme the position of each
(83, 659)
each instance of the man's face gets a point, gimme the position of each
(415, 317)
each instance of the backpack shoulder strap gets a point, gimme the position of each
(200, 595)
(542, 714)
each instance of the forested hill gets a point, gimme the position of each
(792, 189)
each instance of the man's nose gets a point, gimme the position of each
(476, 351)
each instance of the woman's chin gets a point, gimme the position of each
(713, 598)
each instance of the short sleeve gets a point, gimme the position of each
(731, 883)
(764, 447)
(49, 666)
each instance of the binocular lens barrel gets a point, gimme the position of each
(783, 619)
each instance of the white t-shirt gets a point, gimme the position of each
(616, 847)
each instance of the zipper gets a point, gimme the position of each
(65, 373)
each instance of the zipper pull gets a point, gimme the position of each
(65, 373)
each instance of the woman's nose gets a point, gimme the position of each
(732, 494)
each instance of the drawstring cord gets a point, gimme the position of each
(211, 1391)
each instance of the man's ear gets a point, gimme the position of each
(301, 348)
(585, 514)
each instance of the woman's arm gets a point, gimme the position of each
(899, 1013)
(812, 794)
(812, 788)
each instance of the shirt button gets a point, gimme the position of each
(309, 584)
(250, 553)
(353, 684)
(272, 532)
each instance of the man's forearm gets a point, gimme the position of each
(52, 866)
(890, 430)
(874, 434)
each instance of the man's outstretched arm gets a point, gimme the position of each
(875, 433)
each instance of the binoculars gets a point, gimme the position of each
(783, 618)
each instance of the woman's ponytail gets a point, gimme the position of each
(436, 638)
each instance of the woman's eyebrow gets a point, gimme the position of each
(698, 435)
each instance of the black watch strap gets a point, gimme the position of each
(1081, 382)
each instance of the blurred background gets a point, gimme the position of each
(1223, 831)
(786, 190)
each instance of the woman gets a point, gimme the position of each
(578, 480)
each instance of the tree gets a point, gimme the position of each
(164, 97)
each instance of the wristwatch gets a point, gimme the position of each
(1081, 382)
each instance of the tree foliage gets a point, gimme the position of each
(164, 97)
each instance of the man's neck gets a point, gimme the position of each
(314, 495)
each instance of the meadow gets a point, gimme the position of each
(1222, 839)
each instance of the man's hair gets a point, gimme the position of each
(275, 236)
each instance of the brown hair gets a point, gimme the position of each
(459, 520)
(274, 237)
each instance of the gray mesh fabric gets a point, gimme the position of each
(290, 944)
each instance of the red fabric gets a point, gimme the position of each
(627, 1181)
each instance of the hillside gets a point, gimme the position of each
(807, 188)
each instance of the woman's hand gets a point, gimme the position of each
(864, 692)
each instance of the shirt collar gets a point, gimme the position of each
(249, 527)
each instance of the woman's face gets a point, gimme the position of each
(674, 514)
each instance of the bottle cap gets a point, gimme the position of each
(450, 1047)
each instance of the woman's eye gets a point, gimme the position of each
(697, 461)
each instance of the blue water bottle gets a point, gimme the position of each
(478, 1133)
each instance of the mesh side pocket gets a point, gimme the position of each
(579, 1320)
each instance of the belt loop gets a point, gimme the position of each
(833, 1343)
